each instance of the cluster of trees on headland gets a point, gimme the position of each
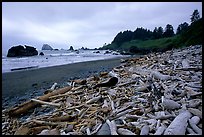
(144, 34)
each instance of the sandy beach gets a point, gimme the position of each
(19, 83)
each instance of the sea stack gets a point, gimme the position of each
(46, 47)
(20, 51)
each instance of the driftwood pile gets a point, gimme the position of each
(157, 94)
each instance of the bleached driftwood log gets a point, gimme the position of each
(191, 92)
(112, 104)
(123, 131)
(179, 124)
(93, 99)
(196, 112)
(88, 132)
(195, 119)
(145, 130)
(190, 130)
(190, 69)
(185, 63)
(46, 103)
(170, 104)
(195, 127)
(45, 123)
(105, 108)
(158, 75)
(142, 88)
(112, 126)
(160, 130)
(104, 130)
(24, 107)
(53, 86)
(121, 114)
(50, 132)
(97, 128)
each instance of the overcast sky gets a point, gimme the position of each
(87, 24)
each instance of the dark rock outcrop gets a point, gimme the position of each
(41, 53)
(96, 52)
(107, 52)
(46, 47)
(71, 48)
(19, 51)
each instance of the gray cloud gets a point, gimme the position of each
(88, 24)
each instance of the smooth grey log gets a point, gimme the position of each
(145, 130)
(179, 124)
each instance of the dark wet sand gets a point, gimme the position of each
(19, 82)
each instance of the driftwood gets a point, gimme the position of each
(194, 127)
(23, 108)
(112, 126)
(96, 130)
(145, 130)
(105, 108)
(68, 93)
(123, 131)
(158, 75)
(179, 124)
(62, 118)
(170, 104)
(196, 112)
(53, 86)
(37, 130)
(40, 122)
(24, 68)
(195, 119)
(46, 103)
(191, 92)
(142, 88)
(112, 104)
(190, 69)
(190, 130)
(94, 99)
(121, 114)
(185, 63)
(160, 130)
(127, 83)
(104, 130)
(50, 132)
(88, 132)
(23, 130)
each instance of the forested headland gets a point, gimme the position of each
(143, 41)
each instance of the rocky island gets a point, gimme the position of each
(19, 51)
(46, 47)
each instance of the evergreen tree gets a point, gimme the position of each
(195, 16)
(169, 31)
(155, 33)
(160, 32)
(182, 27)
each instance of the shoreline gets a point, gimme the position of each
(30, 83)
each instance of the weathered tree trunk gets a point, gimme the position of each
(24, 107)
(179, 124)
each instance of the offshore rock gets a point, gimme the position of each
(19, 51)
(46, 47)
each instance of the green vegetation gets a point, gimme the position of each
(143, 41)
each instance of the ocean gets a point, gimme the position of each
(54, 58)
